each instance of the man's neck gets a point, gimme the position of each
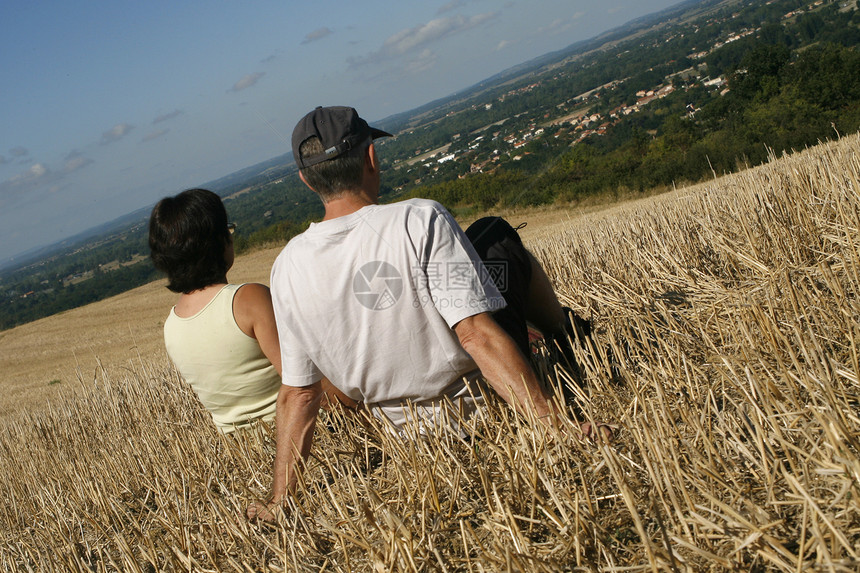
(347, 204)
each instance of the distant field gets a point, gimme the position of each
(726, 352)
(47, 357)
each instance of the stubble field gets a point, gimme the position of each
(726, 352)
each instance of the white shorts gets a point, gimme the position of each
(447, 412)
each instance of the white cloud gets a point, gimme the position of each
(75, 160)
(247, 81)
(154, 135)
(317, 34)
(417, 38)
(423, 62)
(502, 45)
(116, 133)
(167, 116)
(36, 171)
(41, 176)
(452, 5)
(560, 24)
(433, 30)
(76, 163)
(556, 24)
(20, 185)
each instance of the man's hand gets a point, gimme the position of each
(597, 432)
(264, 511)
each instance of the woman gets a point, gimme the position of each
(221, 337)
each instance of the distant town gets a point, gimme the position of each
(573, 122)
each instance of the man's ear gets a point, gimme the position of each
(370, 159)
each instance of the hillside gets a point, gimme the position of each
(730, 308)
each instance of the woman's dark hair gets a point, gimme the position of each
(187, 238)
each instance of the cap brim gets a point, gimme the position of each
(376, 133)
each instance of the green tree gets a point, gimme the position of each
(758, 75)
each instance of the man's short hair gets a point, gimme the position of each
(330, 179)
(188, 235)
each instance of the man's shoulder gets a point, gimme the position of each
(419, 203)
(422, 208)
(293, 246)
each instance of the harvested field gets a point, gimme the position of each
(48, 358)
(726, 353)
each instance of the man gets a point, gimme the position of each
(390, 302)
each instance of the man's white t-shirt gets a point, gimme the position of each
(370, 300)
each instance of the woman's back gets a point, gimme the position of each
(226, 367)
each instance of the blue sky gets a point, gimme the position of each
(108, 106)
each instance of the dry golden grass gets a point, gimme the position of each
(45, 358)
(730, 313)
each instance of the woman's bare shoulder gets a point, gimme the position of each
(252, 303)
(251, 289)
(251, 295)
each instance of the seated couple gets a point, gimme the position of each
(393, 304)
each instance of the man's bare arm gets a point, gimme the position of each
(503, 365)
(295, 419)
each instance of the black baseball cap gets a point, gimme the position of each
(340, 130)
